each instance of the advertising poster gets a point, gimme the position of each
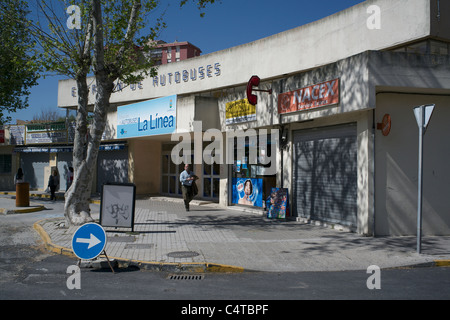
(17, 135)
(278, 204)
(147, 118)
(239, 111)
(247, 192)
(117, 205)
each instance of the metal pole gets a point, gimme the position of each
(420, 182)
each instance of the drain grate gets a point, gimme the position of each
(185, 277)
(183, 254)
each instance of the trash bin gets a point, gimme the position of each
(22, 194)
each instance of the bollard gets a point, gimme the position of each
(22, 194)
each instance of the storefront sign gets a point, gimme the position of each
(46, 133)
(193, 74)
(118, 87)
(315, 96)
(60, 149)
(43, 149)
(247, 191)
(147, 118)
(239, 111)
(38, 127)
(17, 135)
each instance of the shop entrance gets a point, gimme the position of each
(325, 174)
(250, 182)
(170, 175)
(209, 176)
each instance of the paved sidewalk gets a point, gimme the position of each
(211, 238)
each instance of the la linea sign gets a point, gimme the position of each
(314, 96)
(147, 118)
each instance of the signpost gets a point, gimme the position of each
(254, 82)
(89, 241)
(423, 116)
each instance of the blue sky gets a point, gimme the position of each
(227, 23)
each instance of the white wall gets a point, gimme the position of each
(322, 42)
(397, 167)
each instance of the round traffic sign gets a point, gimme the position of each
(89, 241)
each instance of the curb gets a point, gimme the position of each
(31, 208)
(45, 196)
(442, 263)
(189, 267)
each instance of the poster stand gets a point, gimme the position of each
(278, 204)
(117, 205)
(107, 259)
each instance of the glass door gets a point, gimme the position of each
(170, 182)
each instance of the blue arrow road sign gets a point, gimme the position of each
(89, 241)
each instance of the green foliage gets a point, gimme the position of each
(133, 64)
(62, 49)
(201, 4)
(18, 68)
(70, 52)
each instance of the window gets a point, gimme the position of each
(426, 47)
(169, 54)
(438, 47)
(5, 163)
(251, 172)
(419, 48)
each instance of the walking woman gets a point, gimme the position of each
(53, 183)
(18, 178)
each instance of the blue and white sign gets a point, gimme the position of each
(89, 241)
(147, 118)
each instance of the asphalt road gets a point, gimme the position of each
(48, 279)
(27, 271)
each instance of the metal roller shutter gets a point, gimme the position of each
(112, 167)
(33, 165)
(65, 160)
(325, 174)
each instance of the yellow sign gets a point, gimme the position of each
(240, 111)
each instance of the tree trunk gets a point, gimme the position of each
(76, 208)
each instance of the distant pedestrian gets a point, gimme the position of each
(187, 179)
(18, 178)
(53, 184)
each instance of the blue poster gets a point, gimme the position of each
(147, 118)
(278, 203)
(247, 191)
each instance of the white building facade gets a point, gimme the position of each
(345, 140)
